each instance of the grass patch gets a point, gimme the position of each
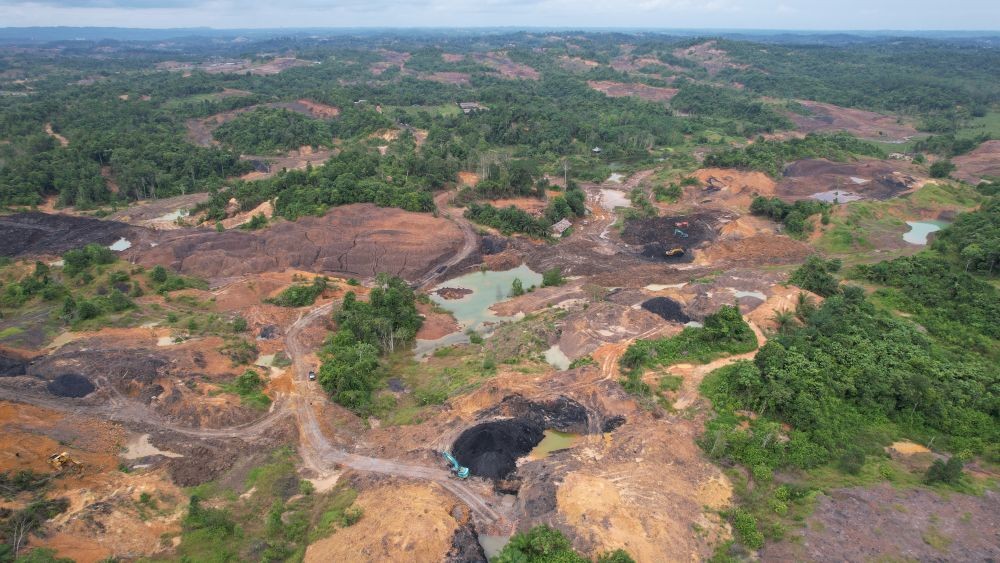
(275, 521)
(10, 331)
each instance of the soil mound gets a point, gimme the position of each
(666, 308)
(453, 292)
(70, 385)
(491, 449)
(43, 233)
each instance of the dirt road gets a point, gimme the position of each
(469, 244)
(321, 456)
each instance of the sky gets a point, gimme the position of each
(700, 14)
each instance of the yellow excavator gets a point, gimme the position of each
(63, 461)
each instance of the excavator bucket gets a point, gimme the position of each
(62, 461)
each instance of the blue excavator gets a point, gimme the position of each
(456, 468)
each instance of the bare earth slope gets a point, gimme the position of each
(357, 240)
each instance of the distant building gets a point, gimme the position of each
(560, 227)
(469, 107)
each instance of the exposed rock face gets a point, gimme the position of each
(357, 240)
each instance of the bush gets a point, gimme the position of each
(78, 261)
(941, 169)
(745, 527)
(300, 295)
(947, 472)
(258, 221)
(552, 277)
(540, 544)
(516, 288)
(814, 275)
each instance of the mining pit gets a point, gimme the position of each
(656, 237)
(491, 449)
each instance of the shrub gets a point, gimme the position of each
(948, 472)
(552, 277)
(941, 169)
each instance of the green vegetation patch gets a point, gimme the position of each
(271, 130)
(300, 295)
(772, 156)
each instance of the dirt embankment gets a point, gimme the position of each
(358, 240)
(419, 529)
(982, 163)
(104, 517)
(635, 90)
(860, 123)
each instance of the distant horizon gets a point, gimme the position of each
(733, 15)
(817, 31)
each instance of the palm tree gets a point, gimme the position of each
(805, 306)
(784, 319)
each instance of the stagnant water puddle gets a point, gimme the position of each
(172, 216)
(553, 441)
(738, 293)
(610, 199)
(121, 245)
(920, 229)
(472, 311)
(836, 196)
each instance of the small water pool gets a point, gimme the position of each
(738, 293)
(553, 441)
(172, 216)
(610, 199)
(920, 229)
(838, 196)
(121, 244)
(472, 311)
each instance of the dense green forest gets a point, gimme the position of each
(124, 124)
(271, 130)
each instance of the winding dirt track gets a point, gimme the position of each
(317, 452)
(321, 456)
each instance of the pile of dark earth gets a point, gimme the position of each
(491, 449)
(70, 385)
(667, 309)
